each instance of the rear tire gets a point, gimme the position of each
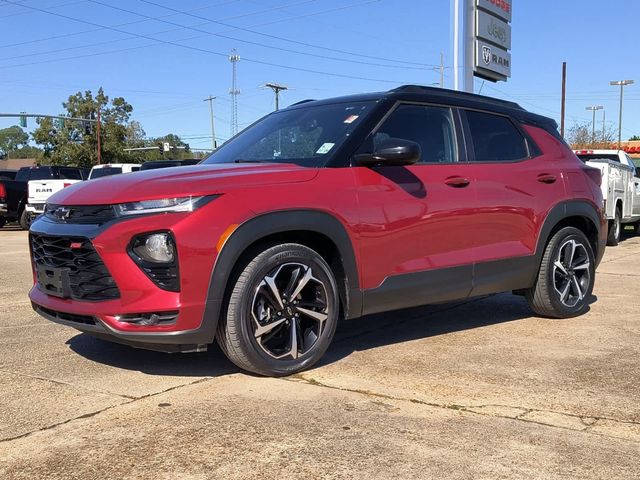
(615, 229)
(25, 220)
(3, 222)
(282, 312)
(566, 276)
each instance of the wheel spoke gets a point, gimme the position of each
(565, 291)
(583, 266)
(271, 283)
(293, 280)
(319, 316)
(294, 339)
(264, 329)
(576, 283)
(572, 244)
(302, 283)
(560, 267)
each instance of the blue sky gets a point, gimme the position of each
(165, 57)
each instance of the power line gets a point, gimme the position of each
(283, 39)
(198, 49)
(249, 42)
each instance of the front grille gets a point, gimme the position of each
(82, 214)
(89, 278)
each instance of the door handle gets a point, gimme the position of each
(546, 178)
(457, 182)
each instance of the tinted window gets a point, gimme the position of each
(430, 127)
(495, 138)
(70, 174)
(38, 173)
(586, 157)
(105, 172)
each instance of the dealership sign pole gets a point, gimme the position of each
(483, 28)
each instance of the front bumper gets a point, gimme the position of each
(196, 238)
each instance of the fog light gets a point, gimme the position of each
(156, 248)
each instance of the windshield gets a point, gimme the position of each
(104, 172)
(308, 136)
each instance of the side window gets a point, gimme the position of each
(70, 174)
(495, 138)
(430, 127)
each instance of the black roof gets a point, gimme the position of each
(441, 95)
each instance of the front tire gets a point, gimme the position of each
(282, 312)
(566, 276)
(615, 229)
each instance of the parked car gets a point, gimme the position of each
(620, 189)
(7, 174)
(39, 190)
(14, 193)
(152, 165)
(327, 209)
(107, 169)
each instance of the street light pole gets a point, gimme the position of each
(594, 109)
(622, 84)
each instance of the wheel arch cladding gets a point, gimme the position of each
(315, 229)
(575, 213)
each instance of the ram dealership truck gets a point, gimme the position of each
(44, 183)
(620, 189)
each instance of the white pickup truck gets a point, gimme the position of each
(620, 188)
(108, 169)
(38, 191)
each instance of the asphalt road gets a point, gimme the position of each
(475, 390)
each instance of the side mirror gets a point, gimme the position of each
(391, 152)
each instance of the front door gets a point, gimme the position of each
(415, 243)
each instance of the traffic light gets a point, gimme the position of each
(23, 120)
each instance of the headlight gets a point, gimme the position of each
(163, 205)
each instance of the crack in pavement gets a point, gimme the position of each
(97, 412)
(527, 415)
(67, 384)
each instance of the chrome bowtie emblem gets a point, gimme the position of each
(62, 213)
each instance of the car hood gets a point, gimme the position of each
(179, 182)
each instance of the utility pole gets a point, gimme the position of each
(441, 70)
(234, 58)
(594, 109)
(277, 88)
(210, 99)
(98, 134)
(564, 97)
(622, 84)
(604, 116)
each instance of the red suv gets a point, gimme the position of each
(328, 209)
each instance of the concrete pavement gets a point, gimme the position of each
(477, 389)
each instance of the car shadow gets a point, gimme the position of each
(361, 334)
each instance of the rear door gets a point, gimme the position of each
(414, 244)
(515, 186)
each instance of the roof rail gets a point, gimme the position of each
(453, 93)
(303, 101)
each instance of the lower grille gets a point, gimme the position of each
(67, 317)
(88, 277)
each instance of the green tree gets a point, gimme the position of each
(635, 138)
(13, 138)
(70, 142)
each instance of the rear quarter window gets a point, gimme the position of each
(495, 138)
